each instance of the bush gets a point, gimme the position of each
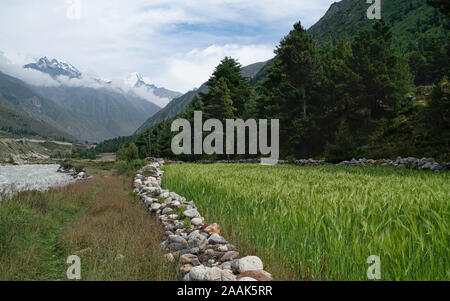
(187, 222)
(75, 154)
(130, 166)
(290, 159)
(129, 154)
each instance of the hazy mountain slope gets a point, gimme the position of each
(106, 113)
(18, 97)
(85, 113)
(20, 124)
(411, 19)
(178, 105)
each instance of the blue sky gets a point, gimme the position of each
(173, 43)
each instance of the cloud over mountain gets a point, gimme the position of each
(154, 37)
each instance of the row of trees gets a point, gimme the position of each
(330, 100)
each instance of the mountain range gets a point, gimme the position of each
(54, 68)
(137, 80)
(95, 112)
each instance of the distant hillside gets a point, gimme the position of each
(178, 105)
(21, 125)
(18, 101)
(84, 113)
(411, 20)
(100, 113)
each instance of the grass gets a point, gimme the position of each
(39, 230)
(322, 223)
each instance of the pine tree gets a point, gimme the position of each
(384, 78)
(220, 104)
(439, 107)
(239, 89)
(287, 92)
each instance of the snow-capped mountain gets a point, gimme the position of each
(55, 68)
(136, 80)
(83, 104)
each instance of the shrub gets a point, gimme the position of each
(130, 166)
(187, 222)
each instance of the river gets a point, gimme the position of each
(31, 177)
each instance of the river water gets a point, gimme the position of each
(31, 177)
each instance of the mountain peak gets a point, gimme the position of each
(54, 68)
(136, 80)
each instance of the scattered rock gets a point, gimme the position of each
(230, 255)
(191, 213)
(247, 279)
(217, 274)
(169, 257)
(155, 206)
(258, 275)
(198, 273)
(250, 263)
(175, 246)
(83, 252)
(187, 258)
(195, 262)
(222, 248)
(177, 239)
(186, 268)
(196, 221)
(167, 210)
(212, 229)
(197, 240)
(216, 239)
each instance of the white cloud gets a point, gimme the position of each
(14, 67)
(196, 66)
(114, 37)
(30, 76)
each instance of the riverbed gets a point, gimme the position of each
(31, 177)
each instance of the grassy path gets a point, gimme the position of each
(38, 231)
(322, 223)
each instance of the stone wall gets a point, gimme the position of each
(410, 162)
(203, 254)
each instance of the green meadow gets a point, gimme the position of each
(322, 223)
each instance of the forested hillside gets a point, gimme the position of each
(178, 105)
(27, 113)
(364, 92)
(18, 124)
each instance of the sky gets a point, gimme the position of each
(173, 43)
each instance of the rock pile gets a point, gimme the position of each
(410, 162)
(204, 254)
(72, 171)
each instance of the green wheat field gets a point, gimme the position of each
(322, 223)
